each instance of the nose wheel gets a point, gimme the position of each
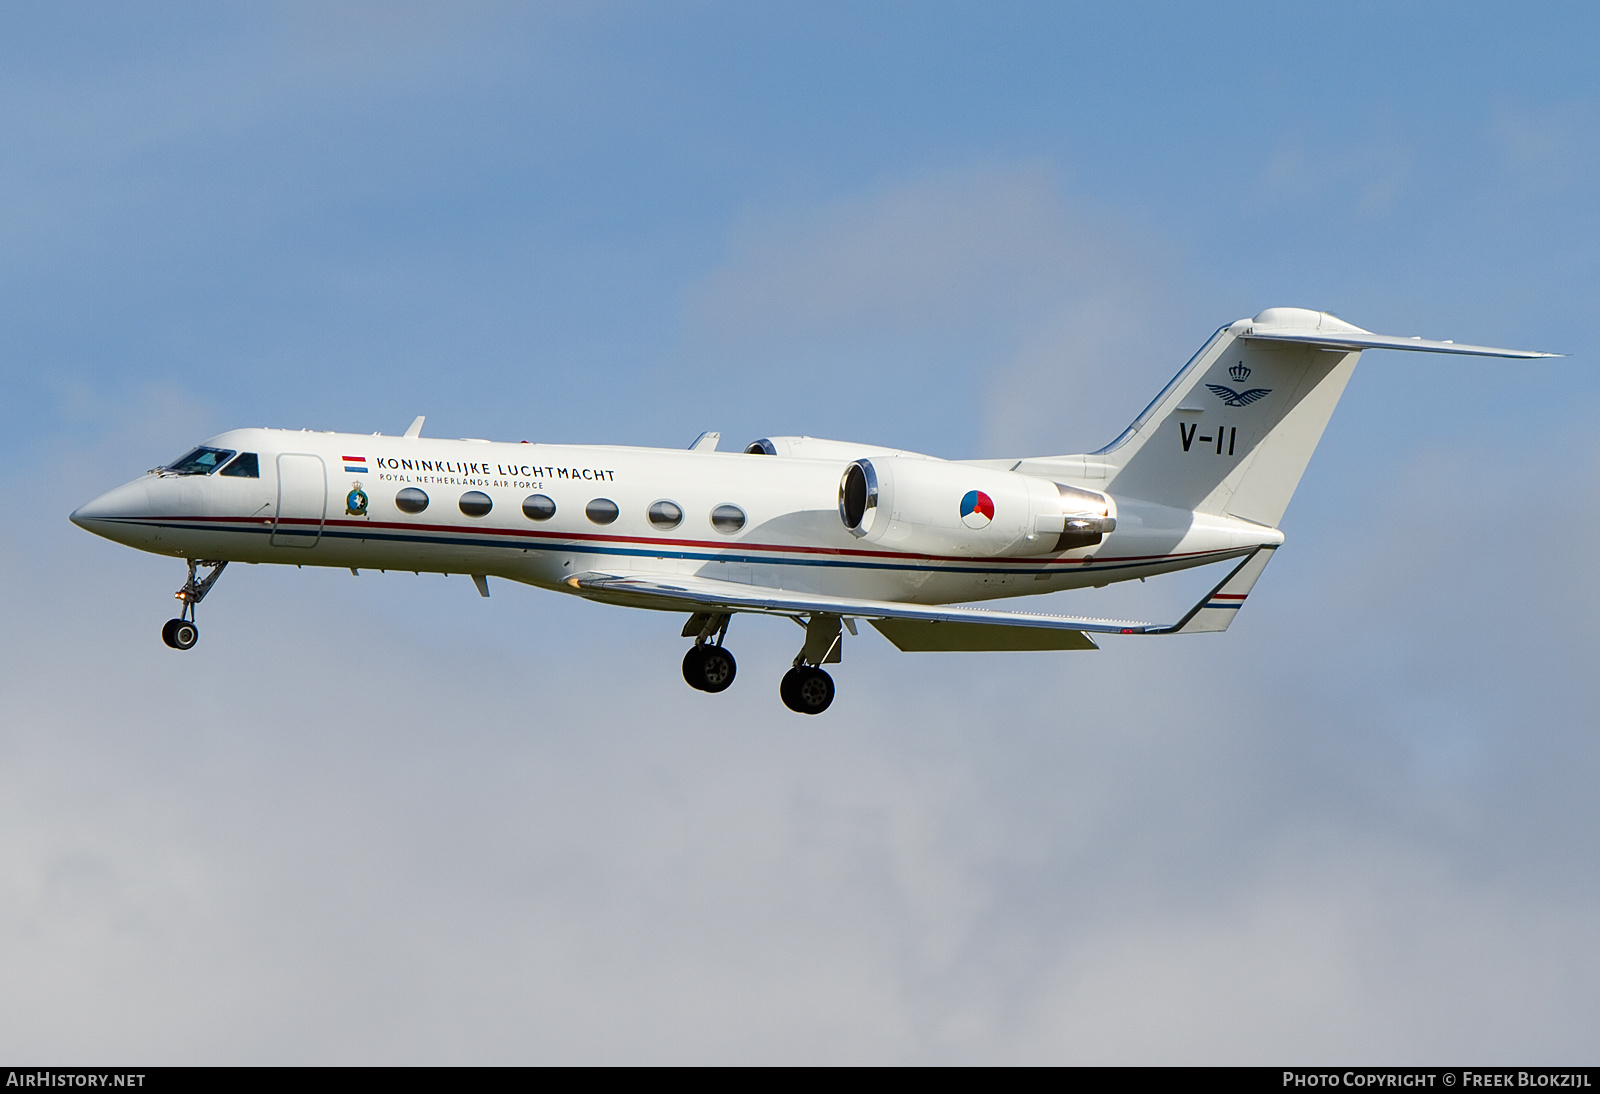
(181, 633)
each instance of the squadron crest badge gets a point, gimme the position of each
(355, 502)
(1230, 397)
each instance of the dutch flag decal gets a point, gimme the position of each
(355, 465)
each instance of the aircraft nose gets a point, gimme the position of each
(127, 501)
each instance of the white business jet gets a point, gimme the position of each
(824, 532)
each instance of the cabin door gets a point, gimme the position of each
(302, 501)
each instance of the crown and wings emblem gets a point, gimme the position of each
(1231, 397)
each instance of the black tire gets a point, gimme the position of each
(709, 668)
(180, 634)
(787, 688)
(692, 674)
(717, 669)
(806, 690)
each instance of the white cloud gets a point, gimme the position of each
(380, 819)
(929, 257)
(1544, 149)
(989, 285)
(1364, 180)
(1344, 950)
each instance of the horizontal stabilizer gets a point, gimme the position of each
(1364, 340)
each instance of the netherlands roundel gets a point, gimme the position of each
(977, 509)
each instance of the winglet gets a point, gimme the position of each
(415, 428)
(1218, 607)
(706, 442)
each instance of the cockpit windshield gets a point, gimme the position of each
(246, 466)
(201, 461)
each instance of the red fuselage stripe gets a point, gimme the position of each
(700, 544)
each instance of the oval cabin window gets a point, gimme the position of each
(665, 514)
(727, 519)
(475, 503)
(411, 500)
(538, 507)
(601, 510)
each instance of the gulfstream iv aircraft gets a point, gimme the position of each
(826, 533)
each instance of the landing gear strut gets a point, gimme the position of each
(708, 667)
(181, 633)
(805, 688)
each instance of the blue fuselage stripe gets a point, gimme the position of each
(583, 547)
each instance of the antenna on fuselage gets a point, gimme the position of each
(415, 428)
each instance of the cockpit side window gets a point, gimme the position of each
(244, 466)
(202, 461)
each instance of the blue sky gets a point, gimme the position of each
(379, 819)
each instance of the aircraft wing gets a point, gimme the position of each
(916, 626)
(903, 621)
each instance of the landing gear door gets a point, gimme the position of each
(302, 501)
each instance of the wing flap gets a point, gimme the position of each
(917, 636)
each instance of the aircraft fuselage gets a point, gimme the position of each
(335, 499)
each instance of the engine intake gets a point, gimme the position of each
(858, 497)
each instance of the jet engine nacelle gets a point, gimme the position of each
(940, 508)
(816, 448)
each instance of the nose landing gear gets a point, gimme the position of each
(181, 633)
(708, 667)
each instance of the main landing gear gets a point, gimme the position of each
(181, 633)
(804, 689)
(708, 667)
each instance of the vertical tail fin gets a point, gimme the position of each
(1234, 430)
